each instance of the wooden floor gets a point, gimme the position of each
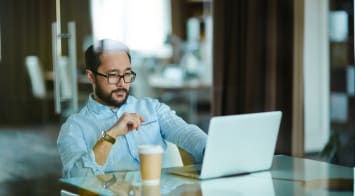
(29, 163)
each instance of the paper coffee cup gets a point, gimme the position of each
(151, 190)
(150, 163)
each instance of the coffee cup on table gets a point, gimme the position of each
(150, 190)
(150, 157)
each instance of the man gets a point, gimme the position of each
(105, 134)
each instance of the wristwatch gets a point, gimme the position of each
(107, 137)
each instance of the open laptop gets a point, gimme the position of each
(237, 144)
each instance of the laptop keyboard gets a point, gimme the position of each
(193, 169)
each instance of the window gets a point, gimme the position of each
(142, 25)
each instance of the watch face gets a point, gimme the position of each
(102, 136)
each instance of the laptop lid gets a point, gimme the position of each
(240, 144)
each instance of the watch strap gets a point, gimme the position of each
(107, 137)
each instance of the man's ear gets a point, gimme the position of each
(91, 76)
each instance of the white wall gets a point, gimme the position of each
(316, 73)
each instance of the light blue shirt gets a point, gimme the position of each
(81, 131)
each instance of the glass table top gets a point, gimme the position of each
(288, 176)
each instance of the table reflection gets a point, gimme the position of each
(288, 176)
(130, 184)
(258, 184)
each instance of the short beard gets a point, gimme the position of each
(107, 98)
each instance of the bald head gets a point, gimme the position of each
(92, 54)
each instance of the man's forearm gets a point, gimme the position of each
(102, 149)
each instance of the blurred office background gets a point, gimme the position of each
(201, 57)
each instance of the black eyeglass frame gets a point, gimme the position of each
(132, 75)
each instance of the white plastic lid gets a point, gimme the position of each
(150, 149)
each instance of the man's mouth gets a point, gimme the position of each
(119, 92)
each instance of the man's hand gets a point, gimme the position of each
(127, 122)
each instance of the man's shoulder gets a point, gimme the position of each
(82, 115)
(77, 122)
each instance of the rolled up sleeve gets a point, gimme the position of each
(77, 158)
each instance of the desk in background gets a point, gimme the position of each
(191, 99)
(82, 78)
(288, 176)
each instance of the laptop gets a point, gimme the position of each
(236, 145)
(258, 184)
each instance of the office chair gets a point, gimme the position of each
(38, 85)
(173, 155)
(34, 70)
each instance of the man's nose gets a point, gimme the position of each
(120, 81)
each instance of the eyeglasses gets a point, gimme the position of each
(114, 78)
